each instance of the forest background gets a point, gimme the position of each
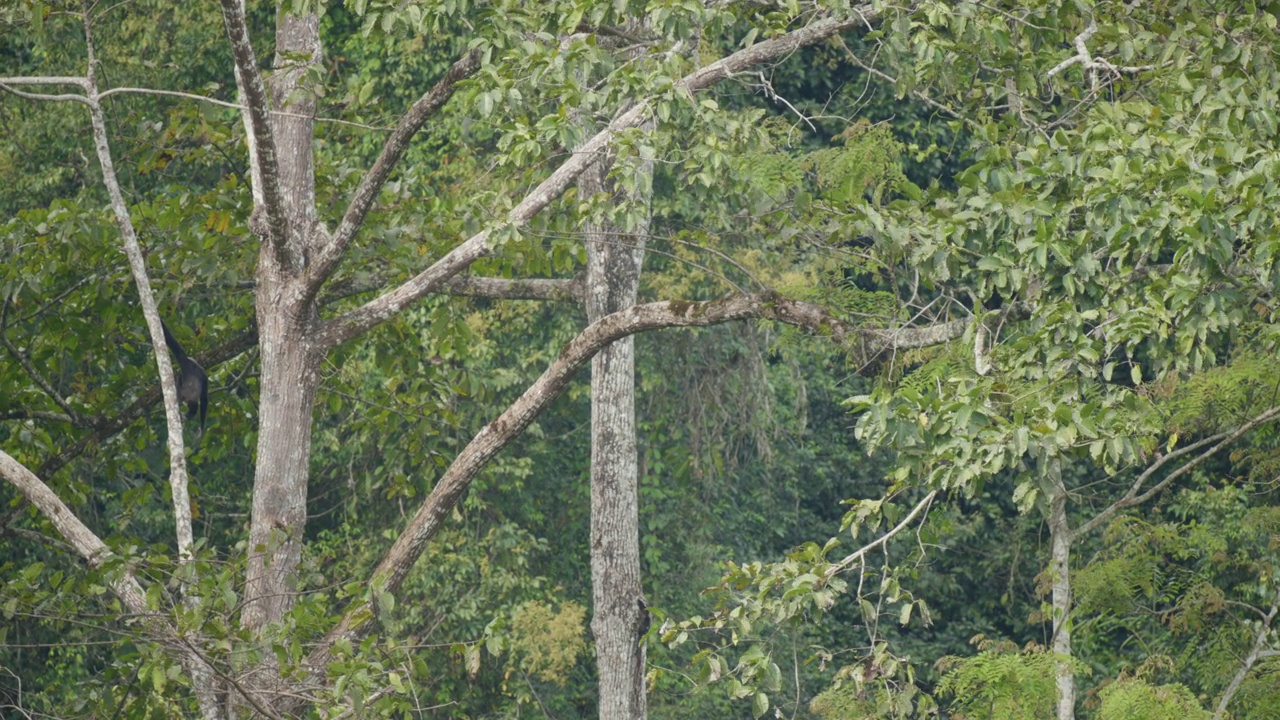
(978, 423)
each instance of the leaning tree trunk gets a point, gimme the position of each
(613, 277)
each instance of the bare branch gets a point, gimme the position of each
(1082, 55)
(7, 84)
(36, 80)
(227, 104)
(87, 545)
(1132, 496)
(1091, 64)
(857, 555)
(372, 182)
(123, 583)
(133, 250)
(1256, 654)
(360, 320)
(551, 290)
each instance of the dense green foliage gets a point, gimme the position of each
(1106, 229)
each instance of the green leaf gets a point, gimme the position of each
(759, 704)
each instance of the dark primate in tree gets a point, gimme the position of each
(193, 384)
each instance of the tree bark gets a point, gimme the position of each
(286, 310)
(614, 260)
(1060, 568)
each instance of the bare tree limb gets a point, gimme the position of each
(124, 585)
(1256, 654)
(548, 289)
(371, 184)
(40, 80)
(858, 554)
(360, 320)
(133, 250)
(86, 544)
(1135, 496)
(6, 84)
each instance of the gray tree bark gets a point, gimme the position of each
(1060, 538)
(614, 261)
(286, 310)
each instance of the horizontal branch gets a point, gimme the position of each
(360, 320)
(408, 547)
(549, 289)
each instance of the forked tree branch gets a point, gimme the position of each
(360, 320)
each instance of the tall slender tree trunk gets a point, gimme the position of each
(614, 261)
(1060, 538)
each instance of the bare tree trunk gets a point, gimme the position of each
(1060, 568)
(614, 260)
(285, 313)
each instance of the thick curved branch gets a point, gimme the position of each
(392, 150)
(258, 106)
(360, 320)
(395, 565)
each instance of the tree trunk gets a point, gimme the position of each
(1060, 568)
(285, 313)
(620, 618)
